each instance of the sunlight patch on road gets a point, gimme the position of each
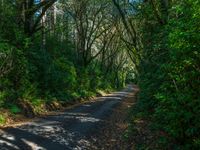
(5, 138)
(50, 131)
(83, 118)
(75, 114)
(111, 97)
(88, 119)
(84, 144)
(9, 137)
(32, 145)
(54, 130)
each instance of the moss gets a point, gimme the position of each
(2, 119)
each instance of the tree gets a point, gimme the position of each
(130, 35)
(30, 14)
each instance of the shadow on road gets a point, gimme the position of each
(67, 130)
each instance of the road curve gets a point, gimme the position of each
(69, 130)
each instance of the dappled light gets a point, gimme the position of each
(67, 65)
(36, 134)
(69, 129)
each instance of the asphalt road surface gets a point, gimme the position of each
(68, 130)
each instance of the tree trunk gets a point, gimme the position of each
(43, 20)
(164, 9)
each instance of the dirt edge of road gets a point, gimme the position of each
(14, 120)
(111, 137)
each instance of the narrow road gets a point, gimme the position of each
(68, 130)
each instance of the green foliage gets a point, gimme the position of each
(2, 97)
(170, 75)
(2, 119)
(44, 65)
(14, 109)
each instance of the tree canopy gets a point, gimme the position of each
(65, 50)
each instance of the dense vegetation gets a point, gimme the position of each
(60, 52)
(65, 50)
(169, 70)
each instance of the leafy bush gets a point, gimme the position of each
(2, 119)
(3, 96)
(169, 76)
(36, 69)
(14, 109)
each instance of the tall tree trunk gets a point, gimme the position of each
(43, 22)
